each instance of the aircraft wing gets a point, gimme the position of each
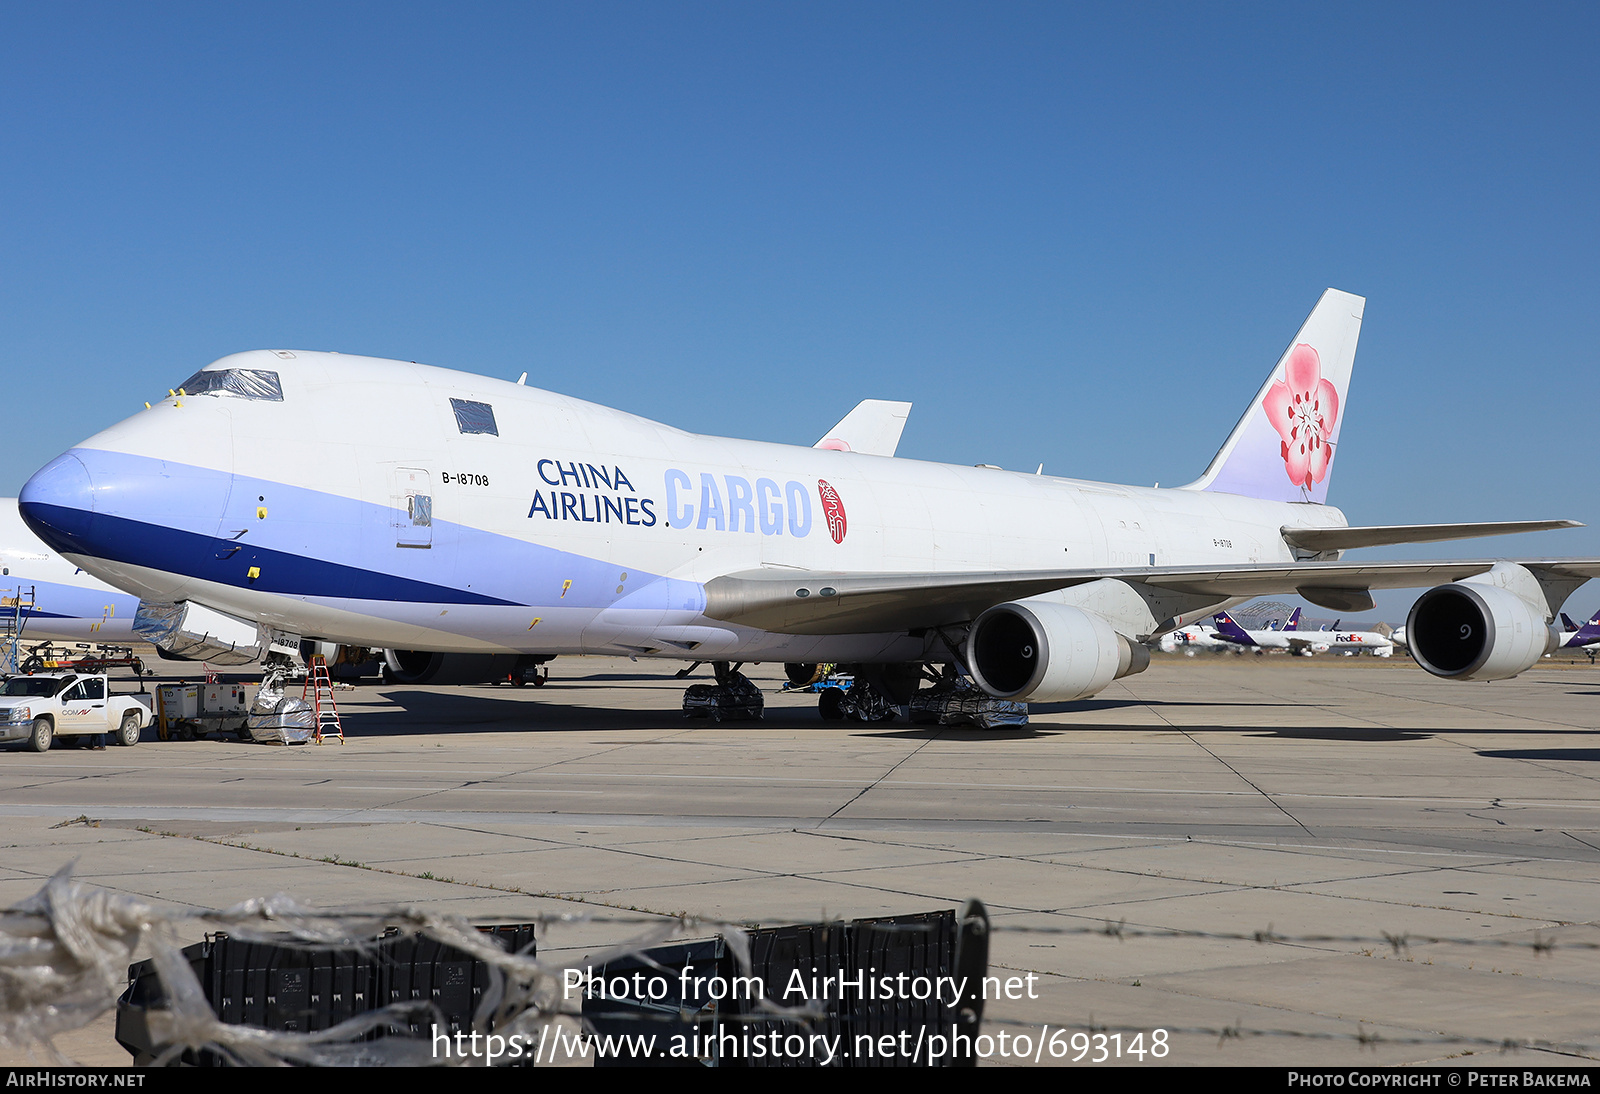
(1382, 535)
(873, 427)
(792, 601)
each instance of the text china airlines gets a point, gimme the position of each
(726, 503)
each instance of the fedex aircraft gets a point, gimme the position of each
(1227, 629)
(1191, 639)
(1586, 637)
(1302, 642)
(469, 525)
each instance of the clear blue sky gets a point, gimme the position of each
(1071, 234)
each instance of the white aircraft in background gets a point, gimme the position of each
(43, 597)
(1290, 638)
(467, 524)
(1196, 637)
(1352, 642)
(1227, 629)
(1191, 640)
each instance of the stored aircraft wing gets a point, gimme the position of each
(465, 524)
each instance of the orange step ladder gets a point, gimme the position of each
(320, 688)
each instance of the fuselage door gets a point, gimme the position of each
(413, 495)
(83, 707)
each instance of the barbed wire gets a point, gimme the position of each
(65, 952)
(1362, 1036)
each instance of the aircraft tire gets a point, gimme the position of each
(43, 736)
(128, 732)
(830, 704)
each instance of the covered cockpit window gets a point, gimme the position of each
(474, 417)
(239, 383)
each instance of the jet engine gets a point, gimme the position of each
(423, 667)
(1045, 652)
(1472, 631)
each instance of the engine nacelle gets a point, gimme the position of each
(1476, 631)
(423, 667)
(1045, 652)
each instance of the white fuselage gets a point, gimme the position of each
(575, 528)
(1351, 641)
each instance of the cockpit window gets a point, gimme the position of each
(474, 417)
(239, 383)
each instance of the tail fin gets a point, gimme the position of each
(1588, 633)
(1566, 621)
(1294, 621)
(1283, 447)
(1228, 629)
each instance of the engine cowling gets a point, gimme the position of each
(1470, 631)
(1045, 652)
(424, 667)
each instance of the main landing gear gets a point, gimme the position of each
(731, 698)
(862, 693)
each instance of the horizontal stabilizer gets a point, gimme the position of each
(872, 428)
(1381, 535)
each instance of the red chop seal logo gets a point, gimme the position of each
(833, 509)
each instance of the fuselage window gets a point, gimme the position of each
(239, 383)
(474, 417)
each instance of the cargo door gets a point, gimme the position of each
(413, 497)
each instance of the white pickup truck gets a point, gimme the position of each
(41, 708)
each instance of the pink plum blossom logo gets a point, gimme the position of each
(1303, 408)
(833, 509)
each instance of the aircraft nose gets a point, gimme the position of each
(58, 504)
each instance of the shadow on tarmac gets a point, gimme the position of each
(1591, 755)
(1347, 733)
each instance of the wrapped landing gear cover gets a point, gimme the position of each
(734, 699)
(960, 702)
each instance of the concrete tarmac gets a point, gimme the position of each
(1327, 804)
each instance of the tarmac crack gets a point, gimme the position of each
(1275, 803)
(875, 782)
(1585, 842)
